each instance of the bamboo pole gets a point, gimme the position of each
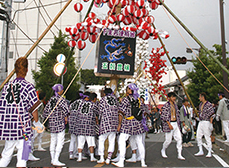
(171, 62)
(38, 41)
(195, 38)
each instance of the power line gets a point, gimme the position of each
(43, 18)
(36, 7)
(28, 36)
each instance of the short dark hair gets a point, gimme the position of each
(221, 94)
(172, 94)
(142, 97)
(42, 95)
(184, 100)
(93, 96)
(107, 91)
(87, 93)
(203, 95)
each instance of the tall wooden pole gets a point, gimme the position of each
(171, 62)
(225, 75)
(195, 38)
(38, 41)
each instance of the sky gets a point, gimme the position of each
(202, 17)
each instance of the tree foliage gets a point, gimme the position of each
(45, 77)
(202, 81)
(88, 78)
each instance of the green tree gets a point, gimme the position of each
(45, 77)
(88, 78)
(202, 81)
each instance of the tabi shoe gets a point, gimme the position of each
(84, 157)
(100, 161)
(132, 159)
(185, 145)
(209, 155)
(180, 157)
(52, 154)
(163, 154)
(143, 164)
(57, 163)
(120, 163)
(200, 153)
(93, 159)
(190, 144)
(32, 158)
(41, 149)
(138, 159)
(107, 161)
(115, 159)
(71, 157)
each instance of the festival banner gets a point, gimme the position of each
(115, 53)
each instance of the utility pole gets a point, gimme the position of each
(5, 42)
(225, 75)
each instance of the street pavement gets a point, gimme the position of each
(153, 157)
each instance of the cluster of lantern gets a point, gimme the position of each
(155, 68)
(134, 13)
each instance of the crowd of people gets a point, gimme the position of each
(91, 122)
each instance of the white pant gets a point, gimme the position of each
(57, 142)
(8, 150)
(226, 128)
(81, 141)
(174, 133)
(73, 144)
(111, 139)
(133, 143)
(39, 138)
(122, 145)
(203, 129)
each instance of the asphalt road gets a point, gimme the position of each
(153, 157)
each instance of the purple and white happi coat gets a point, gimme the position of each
(16, 105)
(72, 116)
(207, 111)
(86, 118)
(166, 116)
(131, 127)
(57, 118)
(108, 114)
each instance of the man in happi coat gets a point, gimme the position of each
(17, 102)
(129, 126)
(108, 114)
(72, 125)
(57, 109)
(85, 126)
(204, 128)
(170, 117)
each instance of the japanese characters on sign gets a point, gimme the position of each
(115, 53)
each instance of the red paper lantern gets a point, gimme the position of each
(138, 14)
(145, 12)
(140, 4)
(91, 30)
(129, 10)
(96, 20)
(73, 30)
(131, 2)
(81, 44)
(72, 43)
(114, 2)
(92, 38)
(79, 26)
(127, 21)
(88, 19)
(113, 12)
(150, 31)
(92, 15)
(153, 5)
(86, 0)
(112, 19)
(145, 25)
(78, 7)
(150, 19)
(75, 36)
(68, 29)
(98, 1)
(144, 35)
(137, 21)
(124, 3)
(120, 17)
(84, 35)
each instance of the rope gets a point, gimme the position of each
(79, 67)
(194, 52)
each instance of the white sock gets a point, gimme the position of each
(92, 155)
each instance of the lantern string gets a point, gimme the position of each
(194, 52)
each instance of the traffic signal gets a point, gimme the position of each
(4, 15)
(179, 60)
